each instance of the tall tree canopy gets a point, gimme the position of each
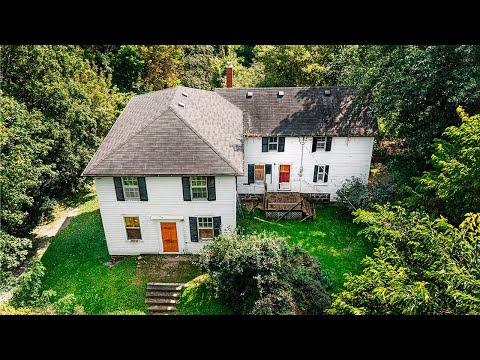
(415, 89)
(56, 109)
(198, 61)
(452, 188)
(295, 65)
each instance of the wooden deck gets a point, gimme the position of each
(287, 205)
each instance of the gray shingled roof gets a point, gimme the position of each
(155, 136)
(301, 111)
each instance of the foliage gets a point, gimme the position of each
(56, 110)
(331, 237)
(353, 195)
(199, 298)
(295, 65)
(27, 290)
(452, 188)
(415, 88)
(67, 305)
(128, 65)
(198, 61)
(162, 67)
(13, 251)
(421, 265)
(256, 274)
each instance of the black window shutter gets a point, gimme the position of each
(315, 173)
(211, 188)
(264, 144)
(193, 229)
(142, 188)
(117, 180)
(325, 178)
(186, 188)
(328, 146)
(268, 169)
(251, 173)
(314, 144)
(217, 223)
(281, 143)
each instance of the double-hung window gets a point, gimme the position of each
(130, 188)
(198, 186)
(321, 142)
(132, 226)
(273, 143)
(205, 228)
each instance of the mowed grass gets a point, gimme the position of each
(75, 260)
(332, 237)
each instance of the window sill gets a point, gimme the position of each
(321, 184)
(135, 241)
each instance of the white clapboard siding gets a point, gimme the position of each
(165, 199)
(349, 156)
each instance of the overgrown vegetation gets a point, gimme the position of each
(331, 237)
(257, 274)
(420, 265)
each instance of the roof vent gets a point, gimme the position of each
(249, 94)
(327, 92)
(185, 94)
(181, 104)
(280, 93)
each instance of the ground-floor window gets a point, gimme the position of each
(132, 226)
(260, 173)
(205, 228)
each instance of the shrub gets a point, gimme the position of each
(353, 195)
(27, 291)
(67, 305)
(13, 251)
(257, 274)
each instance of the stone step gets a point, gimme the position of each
(157, 308)
(160, 301)
(164, 287)
(163, 294)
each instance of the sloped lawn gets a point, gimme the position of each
(331, 237)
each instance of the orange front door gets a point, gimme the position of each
(169, 236)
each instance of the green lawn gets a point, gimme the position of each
(331, 237)
(76, 256)
(75, 264)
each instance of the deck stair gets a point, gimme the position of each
(162, 298)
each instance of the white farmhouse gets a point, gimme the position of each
(170, 170)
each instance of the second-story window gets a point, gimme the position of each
(199, 187)
(130, 188)
(272, 143)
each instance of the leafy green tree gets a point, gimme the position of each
(256, 274)
(415, 89)
(127, 66)
(56, 110)
(198, 61)
(295, 65)
(162, 67)
(421, 265)
(452, 188)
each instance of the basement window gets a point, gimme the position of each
(132, 226)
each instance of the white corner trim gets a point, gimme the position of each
(167, 217)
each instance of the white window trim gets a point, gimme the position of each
(130, 227)
(320, 181)
(254, 177)
(273, 142)
(191, 188)
(128, 198)
(198, 228)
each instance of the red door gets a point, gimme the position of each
(285, 173)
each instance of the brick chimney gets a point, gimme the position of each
(229, 69)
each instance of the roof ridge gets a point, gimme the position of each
(202, 138)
